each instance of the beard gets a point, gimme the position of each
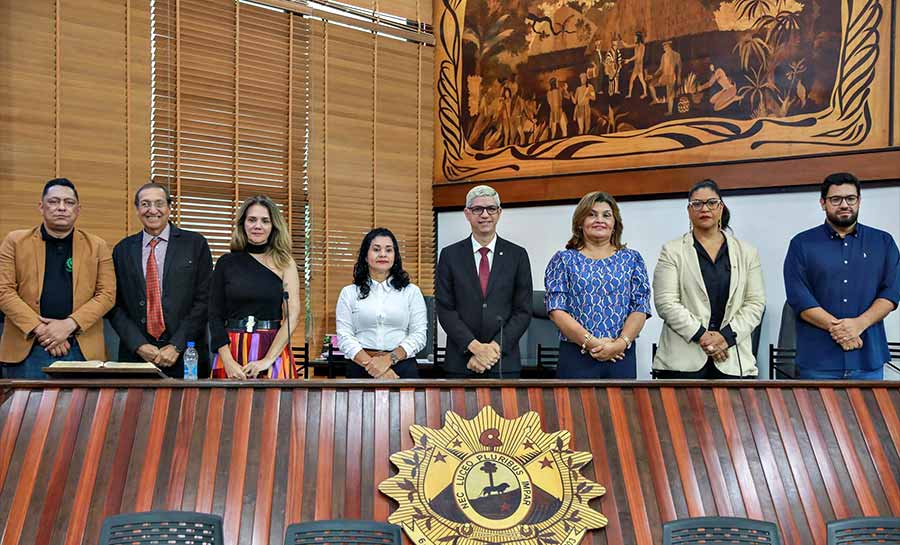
(836, 220)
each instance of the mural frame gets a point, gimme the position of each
(861, 116)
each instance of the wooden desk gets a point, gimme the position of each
(266, 454)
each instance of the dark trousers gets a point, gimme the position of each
(709, 371)
(407, 368)
(573, 364)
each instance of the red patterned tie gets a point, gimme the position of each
(155, 322)
(484, 270)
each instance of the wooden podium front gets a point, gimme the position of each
(266, 454)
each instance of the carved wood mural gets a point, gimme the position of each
(548, 87)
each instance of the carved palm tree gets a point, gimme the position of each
(753, 8)
(752, 46)
(490, 468)
(757, 88)
(778, 26)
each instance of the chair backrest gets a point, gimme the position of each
(338, 532)
(720, 530)
(430, 335)
(170, 527)
(787, 331)
(864, 531)
(301, 359)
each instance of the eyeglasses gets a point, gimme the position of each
(712, 204)
(836, 200)
(478, 210)
(147, 205)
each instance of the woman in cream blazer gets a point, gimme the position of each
(708, 289)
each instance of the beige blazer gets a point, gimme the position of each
(683, 304)
(22, 258)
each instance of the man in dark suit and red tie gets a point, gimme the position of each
(484, 291)
(163, 274)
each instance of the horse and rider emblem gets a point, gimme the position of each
(492, 480)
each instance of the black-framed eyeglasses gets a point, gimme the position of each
(698, 205)
(478, 210)
(836, 200)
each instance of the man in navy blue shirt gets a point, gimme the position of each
(841, 279)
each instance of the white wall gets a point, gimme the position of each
(767, 221)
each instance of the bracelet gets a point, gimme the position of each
(587, 337)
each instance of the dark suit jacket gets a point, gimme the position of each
(185, 294)
(465, 314)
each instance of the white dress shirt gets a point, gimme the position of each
(477, 246)
(384, 320)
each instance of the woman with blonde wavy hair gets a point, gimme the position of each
(247, 299)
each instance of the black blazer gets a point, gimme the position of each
(185, 293)
(465, 314)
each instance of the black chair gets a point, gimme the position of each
(337, 362)
(864, 531)
(440, 356)
(335, 532)
(720, 530)
(547, 360)
(170, 527)
(301, 359)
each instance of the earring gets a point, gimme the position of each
(720, 224)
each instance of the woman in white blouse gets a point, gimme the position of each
(381, 317)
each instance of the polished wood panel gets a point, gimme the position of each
(265, 455)
(877, 166)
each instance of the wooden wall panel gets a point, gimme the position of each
(75, 103)
(27, 106)
(799, 454)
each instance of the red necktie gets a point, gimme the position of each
(155, 322)
(484, 270)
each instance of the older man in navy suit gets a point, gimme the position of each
(484, 291)
(163, 274)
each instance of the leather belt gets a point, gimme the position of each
(251, 324)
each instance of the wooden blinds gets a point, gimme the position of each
(331, 121)
(74, 103)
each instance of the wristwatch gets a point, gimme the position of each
(627, 341)
(394, 358)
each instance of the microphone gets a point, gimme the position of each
(500, 362)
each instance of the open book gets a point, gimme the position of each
(103, 367)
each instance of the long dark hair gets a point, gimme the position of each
(714, 187)
(399, 277)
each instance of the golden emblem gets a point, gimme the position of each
(490, 480)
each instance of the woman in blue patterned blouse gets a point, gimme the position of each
(598, 294)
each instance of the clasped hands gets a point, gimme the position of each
(252, 370)
(161, 357)
(484, 356)
(714, 345)
(380, 367)
(846, 332)
(606, 349)
(54, 335)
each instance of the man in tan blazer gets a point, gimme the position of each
(56, 283)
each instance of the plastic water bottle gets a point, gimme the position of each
(190, 362)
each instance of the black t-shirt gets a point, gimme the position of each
(242, 287)
(56, 295)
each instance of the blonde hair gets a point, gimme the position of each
(583, 210)
(279, 239)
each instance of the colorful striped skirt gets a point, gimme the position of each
(246, 347)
